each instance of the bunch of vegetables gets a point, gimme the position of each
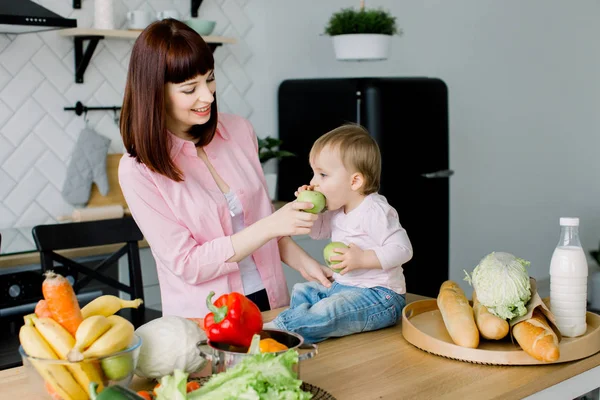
(261, 376)
(61, 330)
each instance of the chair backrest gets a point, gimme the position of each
(55, 237)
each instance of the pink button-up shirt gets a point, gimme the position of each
(188, 225)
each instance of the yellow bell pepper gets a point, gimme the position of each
(271, 346)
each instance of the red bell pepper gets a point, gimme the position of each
(233, 319)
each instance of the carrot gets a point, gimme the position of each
(41, 309)
(155, 388)
(52, 392)
(62, 302)
(191, 386)
(144, 394)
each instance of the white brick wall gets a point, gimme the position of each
(36, 81)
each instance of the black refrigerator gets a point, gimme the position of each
(408, 117)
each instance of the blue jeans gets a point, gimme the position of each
(318, 313)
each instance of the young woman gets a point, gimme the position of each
(194, 184)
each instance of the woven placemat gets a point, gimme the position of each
(317, 392)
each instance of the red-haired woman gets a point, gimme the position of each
(194, 184)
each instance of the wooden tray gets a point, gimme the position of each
(423, 327)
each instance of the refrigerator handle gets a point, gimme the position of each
(358, 103)
(444, 173)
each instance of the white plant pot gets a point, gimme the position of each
(271, 184)
(361, 46)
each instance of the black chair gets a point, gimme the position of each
(55, 237)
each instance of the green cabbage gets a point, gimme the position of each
(502, 284)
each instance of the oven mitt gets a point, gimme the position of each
(88, 164)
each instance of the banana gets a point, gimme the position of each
(61, 342)
(117, 338)
(57, 376)
(88, 331)
(107, 305)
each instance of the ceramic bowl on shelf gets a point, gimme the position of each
(115, 369)
(202, 26)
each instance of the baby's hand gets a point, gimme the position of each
(303, 188)
(350, 258)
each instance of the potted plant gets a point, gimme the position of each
(268, 149)
(362, 34)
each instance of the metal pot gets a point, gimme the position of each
(224, 356)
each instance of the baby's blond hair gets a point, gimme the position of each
(357, 149)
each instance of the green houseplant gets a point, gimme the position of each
(268, 149)
(363, 34)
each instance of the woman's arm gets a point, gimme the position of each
(295, 256)
(289, 220)
(173, 244)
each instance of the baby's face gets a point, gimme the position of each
(331, 178)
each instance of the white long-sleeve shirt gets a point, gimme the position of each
(373, 225)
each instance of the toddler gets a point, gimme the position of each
(369, 291)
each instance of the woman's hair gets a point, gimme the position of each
(166, 51)
(357, 149)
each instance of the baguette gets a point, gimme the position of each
(457, 315)
(536, 338)
(489, 325)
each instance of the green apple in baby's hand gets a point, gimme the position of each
(317, 199)
(328, 252)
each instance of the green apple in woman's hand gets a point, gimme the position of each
(328, 252)
(317, 199)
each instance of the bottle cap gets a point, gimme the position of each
(565, 221)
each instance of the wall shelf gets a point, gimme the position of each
(83, 56)
(194, 3)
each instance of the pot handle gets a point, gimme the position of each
(314, 350)
(211, 357)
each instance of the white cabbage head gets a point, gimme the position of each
(502, 284)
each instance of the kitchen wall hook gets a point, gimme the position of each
(81, 109)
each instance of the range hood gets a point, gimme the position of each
(24, 16)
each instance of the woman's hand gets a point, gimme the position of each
(316, 272)
(290, 220)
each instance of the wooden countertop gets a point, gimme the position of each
(382, 365)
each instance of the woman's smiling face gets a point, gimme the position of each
(189, 103)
